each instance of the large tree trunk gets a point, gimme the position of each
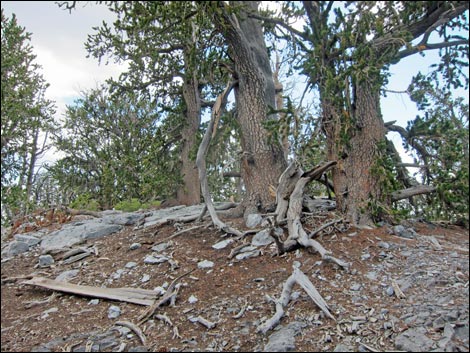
(354, 139)
(262, 160)
(189, 193)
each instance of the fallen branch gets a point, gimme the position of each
(131, 295)
(210, 325)
(134, 328)
(169, 294)
(324, 226)
(300, 278)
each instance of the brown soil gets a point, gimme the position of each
(221, 292)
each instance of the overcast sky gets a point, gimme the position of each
(58, 39)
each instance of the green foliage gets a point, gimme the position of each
(441, 137)
(115, 149)
(85, 202)
(134, 205)
(26, 116)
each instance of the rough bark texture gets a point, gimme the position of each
(189, 193)
(354, 143)
(262, 160)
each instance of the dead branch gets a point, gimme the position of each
(413, 191)
(324, 226)
(300, 278)
(297, 234)
(134, 328)
(132, 295)
(169, 294)
(201, 162)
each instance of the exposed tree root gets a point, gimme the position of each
(300, 278)
(292, 183)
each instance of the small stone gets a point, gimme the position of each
(114, 312)
(205, 264)
(145, 278)
(135, 246)
(192, 299)
(131, 264)
(45, 260)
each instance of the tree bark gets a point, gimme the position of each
(262, 160)
(357, 150)
(189, 193)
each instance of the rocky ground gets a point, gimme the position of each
(406, 290)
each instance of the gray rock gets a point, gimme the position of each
(67, 275)
(205, 264)
(45, 260)
(124, 219)
(158, 259)
(160, 247)
(262, 238)
(403, 232)
(372, 275)
(76, 233)
(131, 264)
(284, 339)
(253, 220)
(342, 348)
(222, 244)
(145, 278)
(414, 340)
(114, 312)
(29, 238)
(135, 246)
(14, 248)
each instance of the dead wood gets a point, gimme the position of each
(324, 226)
(201, 161)
(413, 191)
(134, 328)
(131, 295)
(300, 278)
(169, 294)
(297, 235)
(287, 182)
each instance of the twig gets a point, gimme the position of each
(165, 299)
(324, 226)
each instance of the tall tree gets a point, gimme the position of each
(164, 44)
(27, 116)
(348, 50)
(262, 160)
(114, 149)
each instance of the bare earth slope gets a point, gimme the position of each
(232, 297)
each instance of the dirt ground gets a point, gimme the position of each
(233, 293)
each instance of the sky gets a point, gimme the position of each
(58, 39)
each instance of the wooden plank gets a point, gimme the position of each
(132, 295)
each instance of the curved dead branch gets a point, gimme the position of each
(201, 161)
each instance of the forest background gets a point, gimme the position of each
(129, 142)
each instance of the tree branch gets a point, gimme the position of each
(413, 191)
(425, 46)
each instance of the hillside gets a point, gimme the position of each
(403, 291)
